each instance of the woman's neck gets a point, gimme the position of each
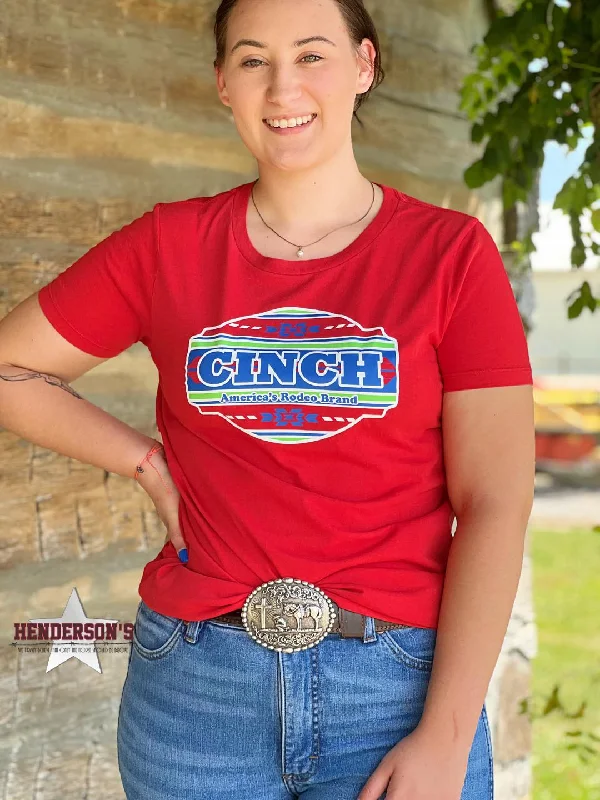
(312, 199)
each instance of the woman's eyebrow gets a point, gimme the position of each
(299, 43)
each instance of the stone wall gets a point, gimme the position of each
(106, 108)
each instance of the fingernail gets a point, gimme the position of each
(183, 555)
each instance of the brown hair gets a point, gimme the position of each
(358, 22)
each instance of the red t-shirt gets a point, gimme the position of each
(300, 402)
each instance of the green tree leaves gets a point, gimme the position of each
(538, 80)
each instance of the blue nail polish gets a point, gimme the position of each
(183, 555)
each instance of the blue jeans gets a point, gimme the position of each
(207, 713)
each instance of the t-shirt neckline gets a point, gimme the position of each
(301, 267)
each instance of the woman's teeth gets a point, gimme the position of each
(294, 122)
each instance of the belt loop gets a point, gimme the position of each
(351, 624)
(370, 632)
(191, 630)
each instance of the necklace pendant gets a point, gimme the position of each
(300, 253)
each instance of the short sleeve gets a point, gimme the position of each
(484, 342)
(102, 303)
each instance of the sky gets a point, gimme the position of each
(554, 242)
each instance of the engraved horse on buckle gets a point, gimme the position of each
(288, 615)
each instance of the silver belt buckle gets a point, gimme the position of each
(288, 615)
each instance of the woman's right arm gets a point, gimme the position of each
(37, 403)
(92, 311)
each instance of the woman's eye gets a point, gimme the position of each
(251, 62)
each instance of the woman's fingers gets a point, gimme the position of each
(159, 485)
(171, 522)
(179, 545)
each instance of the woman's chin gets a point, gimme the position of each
(290, 161)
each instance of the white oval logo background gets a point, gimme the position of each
(293, 375)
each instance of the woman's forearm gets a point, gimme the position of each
(48, 412)
(482, 578)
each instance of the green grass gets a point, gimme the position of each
(566, 587)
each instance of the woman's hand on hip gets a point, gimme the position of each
(157, 482)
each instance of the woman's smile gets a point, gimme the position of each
(287, 126)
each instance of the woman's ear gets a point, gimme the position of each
(366, 66)
(221, 88)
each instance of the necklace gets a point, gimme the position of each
(300, 248)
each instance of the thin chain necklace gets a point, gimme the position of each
(300, 248)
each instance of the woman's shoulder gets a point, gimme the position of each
(427, 213)
(176, 212)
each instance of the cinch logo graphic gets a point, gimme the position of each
(293, 375)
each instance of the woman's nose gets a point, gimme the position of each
(284, 86)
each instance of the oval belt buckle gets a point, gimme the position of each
(288, 615)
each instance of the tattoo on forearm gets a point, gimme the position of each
(51, 379)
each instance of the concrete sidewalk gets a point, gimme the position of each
(565, 508)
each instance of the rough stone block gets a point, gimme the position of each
(48, 58)
(50, 601)
(72, 220)
(8, 684)
(19, 535)
(513, 781)
(513, 739)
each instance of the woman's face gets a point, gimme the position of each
(272, 73)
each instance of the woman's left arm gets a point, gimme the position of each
(489, 452)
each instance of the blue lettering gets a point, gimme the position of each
(310, 368)
(242, 368)
(214, 369)
(244, 375)
(281, 366)
(362, 370)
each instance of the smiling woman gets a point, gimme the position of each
(325, 75)
(358, 23)
(343, 372)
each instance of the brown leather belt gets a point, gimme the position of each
(348, 624)
(290, 615)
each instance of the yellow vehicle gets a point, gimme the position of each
(567, 422)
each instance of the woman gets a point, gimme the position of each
(343, 372)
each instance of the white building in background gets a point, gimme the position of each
(559, 345)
